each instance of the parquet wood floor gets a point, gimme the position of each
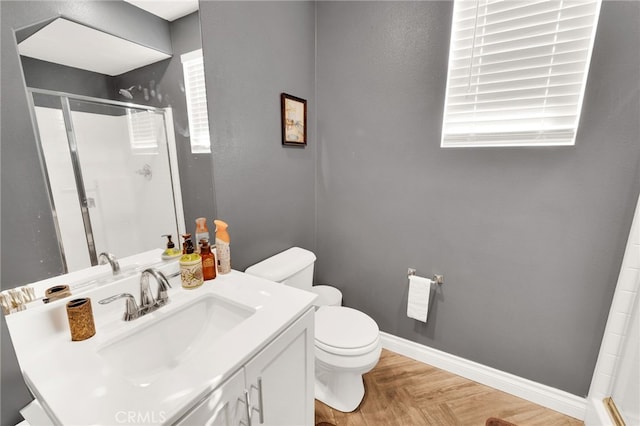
(404, 392)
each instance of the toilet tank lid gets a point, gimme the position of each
(283, 265)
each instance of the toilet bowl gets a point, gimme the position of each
(347, 341)
(347, 345)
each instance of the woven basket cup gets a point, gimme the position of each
(57, 292)
(80, 317)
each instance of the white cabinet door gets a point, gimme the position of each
(280, 378)
(225, 406)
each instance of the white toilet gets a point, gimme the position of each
(347, 341)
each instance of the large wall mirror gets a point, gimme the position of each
(118, 112)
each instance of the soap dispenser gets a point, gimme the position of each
(171, 252)
(223, 251)
(185, 237)
(190, 267)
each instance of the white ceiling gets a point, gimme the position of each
(169, 10)
(68, 43)
(75, 45)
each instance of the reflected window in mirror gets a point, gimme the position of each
(195, 91)
(143, 132)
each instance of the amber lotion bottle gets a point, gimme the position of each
(208, 260)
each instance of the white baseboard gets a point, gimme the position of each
(540, 394)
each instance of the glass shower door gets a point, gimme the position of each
(110, 177)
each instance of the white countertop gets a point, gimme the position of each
(77, 387)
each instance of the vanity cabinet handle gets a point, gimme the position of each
(260, 410)
(247, 407)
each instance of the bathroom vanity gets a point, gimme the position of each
(237, 350)
(271, 388)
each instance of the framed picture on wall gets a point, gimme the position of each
(294, 120)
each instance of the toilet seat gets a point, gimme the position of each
(345, 331)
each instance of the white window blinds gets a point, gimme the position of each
(196, 94)
(517, 71)
(143, 131)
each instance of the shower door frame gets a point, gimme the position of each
(167, 117)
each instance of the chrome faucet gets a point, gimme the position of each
(148, 303)
(105, 257)
(146, 298)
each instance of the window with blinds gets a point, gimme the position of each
(517, 71)
(143, 131)
(196, 94)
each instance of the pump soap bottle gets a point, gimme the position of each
(185, 237)
(190, 267)
(171, 252)
(223, 250)
(208, 260)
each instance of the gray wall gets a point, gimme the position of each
(253, 51)
(26, 222)
(530, 241)
(50, 76)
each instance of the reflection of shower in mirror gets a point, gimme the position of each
(145, 171)
(122, 169)
(128, 93)
(153, 91)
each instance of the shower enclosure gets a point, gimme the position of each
(111, 172)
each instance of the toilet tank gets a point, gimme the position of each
(293, 267)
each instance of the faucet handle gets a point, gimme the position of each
(132, 312)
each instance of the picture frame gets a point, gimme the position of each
(294, 120)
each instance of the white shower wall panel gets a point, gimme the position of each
(131, 211)
(102, 143)
(617, 371)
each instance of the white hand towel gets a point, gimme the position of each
(418, 300)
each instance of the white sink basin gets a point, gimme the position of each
(170, 336)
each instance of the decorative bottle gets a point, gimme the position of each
(201, 231)
(223, 250)
(185, 237)
(190, 268)
(208, 260)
